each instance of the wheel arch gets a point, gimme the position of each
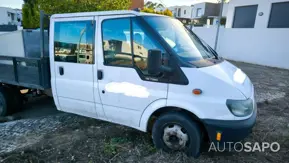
(160, 107)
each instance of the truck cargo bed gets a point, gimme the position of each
(31, 73)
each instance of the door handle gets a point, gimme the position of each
(99, 74)
(61, 70)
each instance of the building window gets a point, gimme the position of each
(12, 16)
(199, 12)
(279, 17)
(73, 41)
(185, 12)
(179, 12)
(245, 16)
(116, 42)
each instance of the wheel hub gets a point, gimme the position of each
(175, 137)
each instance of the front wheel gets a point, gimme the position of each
(176, 131)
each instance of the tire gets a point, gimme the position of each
(176, 131)
(3, 102)
(16, 100)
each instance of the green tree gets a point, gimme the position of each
(168, 12)
(165, 12)
(31, 8)
(151, 5)
(30, 13)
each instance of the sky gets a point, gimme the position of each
(167, 3)
(11, 3)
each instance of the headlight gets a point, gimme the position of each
(240, 108)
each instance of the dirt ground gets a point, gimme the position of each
(63, 137)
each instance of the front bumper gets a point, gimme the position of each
(231, 130)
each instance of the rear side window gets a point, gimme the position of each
(116, 42)
(73, 41)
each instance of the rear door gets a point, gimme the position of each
(72, 52)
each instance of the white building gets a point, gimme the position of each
(182, 11)
(257, 31)
(258, 14)
(206, 9)
(198, 9)
(9, 16)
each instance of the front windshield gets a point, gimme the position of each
(186, 45)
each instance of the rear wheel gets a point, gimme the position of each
(16, 100)
(176, 131)
(3, 102)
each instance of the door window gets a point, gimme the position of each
(73, 41)
(142, 43)
(117, 42)
(119, 50)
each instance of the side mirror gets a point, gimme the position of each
(155, 66)
(154, 62)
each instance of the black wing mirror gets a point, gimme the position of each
(155, 66)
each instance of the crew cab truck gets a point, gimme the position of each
(144, 71)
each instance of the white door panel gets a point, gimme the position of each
(125, 95)
(76, 83)
(72, 57)
(123, 116)
(124, 88)
(77, 106)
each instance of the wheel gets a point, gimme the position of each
(3, 102)
(16, 100)
(175, 131)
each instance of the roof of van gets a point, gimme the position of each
(102, 13)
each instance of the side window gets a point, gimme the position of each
(142, 43)
(116, 42)
(73, 41)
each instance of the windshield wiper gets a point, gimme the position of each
(204, 45)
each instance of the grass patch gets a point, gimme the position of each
(113, 146)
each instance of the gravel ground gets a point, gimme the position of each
(63, 137)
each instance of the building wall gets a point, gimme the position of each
(5, 19)
(137, 4)
(183, 14)
(225, 10)
(263, 6)
(212, 9)
(259, 46)
(201, 6)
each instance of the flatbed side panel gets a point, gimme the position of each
(26, 72)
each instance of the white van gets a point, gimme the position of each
(151, 73)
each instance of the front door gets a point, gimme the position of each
(73, 57)
(124, 86)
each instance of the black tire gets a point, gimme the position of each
(192, 130)
(3, 102)
(16, 100)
